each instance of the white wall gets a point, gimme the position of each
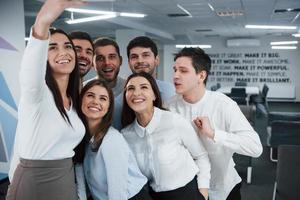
(251, 69)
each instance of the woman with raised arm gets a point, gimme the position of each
(48, 125)
(110, 167)
(165, 145)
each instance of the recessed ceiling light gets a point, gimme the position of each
(284, 47)
(184, 10)
(284, 42)
(270, 27)
(203, 46)
(87, 11)
(296, 34)
(124, 14)
(101, 12)
(210, 6)
(88, 19)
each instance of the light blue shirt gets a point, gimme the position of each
(112, 172)
(166, 89)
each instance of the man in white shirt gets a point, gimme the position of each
(217, 119)
(107, 63)
(143, 56)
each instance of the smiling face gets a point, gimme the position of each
(61, 55)
(95, 103)
(107, 62)
(84, 51)
(139, 95)
(142, 59)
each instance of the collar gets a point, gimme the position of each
(150, 128)
(201, 101)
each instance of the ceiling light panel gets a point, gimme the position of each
(271, 27)
(89, 19)
(284, 47)
(197, 8)
(284, 42)
(203, 46)
(296, 34)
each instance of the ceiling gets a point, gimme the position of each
(204, 22)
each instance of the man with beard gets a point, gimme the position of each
(143, 56)
(107, 63)
(84, 49)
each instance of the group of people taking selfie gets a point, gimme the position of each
(114, 139)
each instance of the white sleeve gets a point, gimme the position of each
(239, 135)
(116, 166)
(15, 160)
(80, 182)
(33, 70)
(194, 145)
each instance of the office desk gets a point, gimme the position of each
(250, 90)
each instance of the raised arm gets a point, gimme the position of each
(33, 65)
(49, 12)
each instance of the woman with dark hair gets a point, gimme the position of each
(110, 167)
(49, 127)
(165, 145)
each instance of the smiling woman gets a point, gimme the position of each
(110, 168)
(163, 142)
(48, 125)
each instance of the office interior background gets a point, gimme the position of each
(255, 42)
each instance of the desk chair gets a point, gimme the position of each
(239, 95)
(282, 132)
(260, 100)
(262, 97)
(287, 182)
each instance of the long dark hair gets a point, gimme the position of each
(128, 115)
(73, 85)
(107, 119)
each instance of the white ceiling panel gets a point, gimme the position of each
(204, 20)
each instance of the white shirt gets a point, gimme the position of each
(42, 133)
(112, 172)
(233, 134)
(168, 151)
